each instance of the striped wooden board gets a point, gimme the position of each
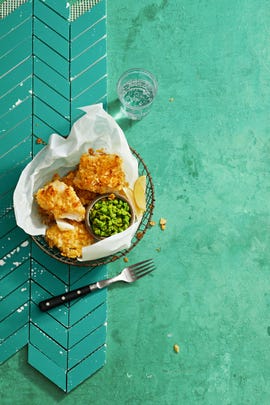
(52, 61)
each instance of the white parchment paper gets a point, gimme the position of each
(95, 129)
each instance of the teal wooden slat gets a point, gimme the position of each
(8, 222)
(77, 274)
(16, 55)
(49, 325)
(89, 96)
(104, 100)
(85, 275)
(87, 324)
(48, 347)
(16, 277)
(41, 130)
(46, 279)
(16, 76)
(42, 259)
(53, 78)
(18, 15)
(52, 18)
(9, 179)
(17, 114)
(84, 356)
(60, 314)
(76, 113)
(88, 77)
(14, 321)
(16, 241)
(19, 93)
(60, 7)
(85, 305)
(23, 30)
(43, 111)
(19, 132)
(87, 345)
(37, 144)
(14, 300)
(10, 157)
(88, 57)
(49, 96)
(14, 343)
(51, 38)
(88, 38)
(67, 337)
(86, 368)
(88, 19)
(9, 262)
(47, 367)
(51, 58)
(6, 203)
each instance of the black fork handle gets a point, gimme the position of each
(66, 297)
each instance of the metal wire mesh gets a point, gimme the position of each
(80, 7)
(144, 224)
(77, 8)
(8, 6)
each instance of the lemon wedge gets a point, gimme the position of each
(139, 192)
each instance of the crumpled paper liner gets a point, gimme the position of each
(95, 129)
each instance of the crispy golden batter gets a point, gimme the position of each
(85, 196)
(100, 173)
(69, 178)
(69, 242)
(60, 200)
(46, 216)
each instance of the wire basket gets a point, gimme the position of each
(144, 225)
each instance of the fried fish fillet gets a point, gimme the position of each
(100, 173)
(69, 242)
(85, 196)
(60, 200)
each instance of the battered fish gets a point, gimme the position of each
(60, 200)
(85, 196)
(63, 199)
(69, 242)
(100, 173)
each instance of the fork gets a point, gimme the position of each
(127, 275)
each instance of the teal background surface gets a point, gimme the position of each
(206, 143)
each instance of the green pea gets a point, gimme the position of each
(110, 216)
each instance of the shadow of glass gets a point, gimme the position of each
(114, 109)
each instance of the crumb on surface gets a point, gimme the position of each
(125, 259)
(162, 223)
(176, 348)
(139, 235)
(40, 141)
(152, 223)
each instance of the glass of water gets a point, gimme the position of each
(136, 91)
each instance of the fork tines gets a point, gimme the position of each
(142, 268)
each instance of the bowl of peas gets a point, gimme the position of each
(108, 215)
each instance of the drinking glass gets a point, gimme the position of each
(136, 91)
